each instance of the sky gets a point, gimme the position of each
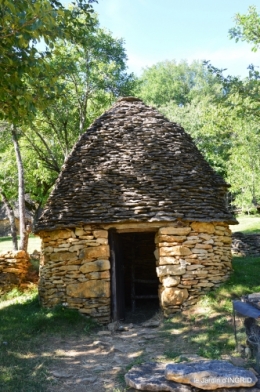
(158, 30)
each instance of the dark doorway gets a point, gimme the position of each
(133, 273)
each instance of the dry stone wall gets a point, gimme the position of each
(75, 271)
(14, 267)
(191, 258)
(246, 244)
(190, 261)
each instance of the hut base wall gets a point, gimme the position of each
(191, 258)
(75, 271)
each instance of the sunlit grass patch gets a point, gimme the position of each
(24, 327)
(247, 224)
(209, 323)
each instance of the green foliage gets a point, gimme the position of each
(247, 28)
(209, 125)
(181, 83)
(23, 25)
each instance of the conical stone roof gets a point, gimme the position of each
(132, 165)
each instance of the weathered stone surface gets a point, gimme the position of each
(97, 265)
(57, 234)
(175, 230)
(100, 233)
(63, 256)
(173, 296)
(170, 270)
(210, 375)
(97, 252)
(163, 260)
(174, 250)
(170, 238)
(203, 227)
(170, 281)
(150, 377)
(89, 289)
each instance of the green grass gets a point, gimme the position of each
(247, 224)
(27, 330)
(207, 329)
(25, 327)
(33, 244)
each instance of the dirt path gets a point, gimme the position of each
(99, 362)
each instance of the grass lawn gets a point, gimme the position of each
(33, 244)
(27, 330)
(247, 224)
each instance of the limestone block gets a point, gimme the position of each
(199, 251)
(63, 256)
(170, 238)
(174, 250)
(222, 228)
(225, 239)
(174, 230)
(89, 289)
(163, 260)
(194, 267)
(203, 246)
(190, 243)
(170, 281)
(68, 268)
(98, 275)
(79, 231)
(189, 282)
(97, 252)
(100, 233)
(57, 234)
(170, 270)
(204, 284)
(205, 236)
(98, 265)
(102, 241)
(173, 296)
(203, 227)
(75, 248)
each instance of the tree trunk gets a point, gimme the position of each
(24, 233)
(11, 217)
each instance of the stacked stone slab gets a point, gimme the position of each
(75, 271)
(14, 267)
(246, 244)
(190, 260)
(134, 170)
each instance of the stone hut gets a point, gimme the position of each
(136, 213)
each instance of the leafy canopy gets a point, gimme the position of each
(24, 24)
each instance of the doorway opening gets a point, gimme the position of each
(133, 273)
